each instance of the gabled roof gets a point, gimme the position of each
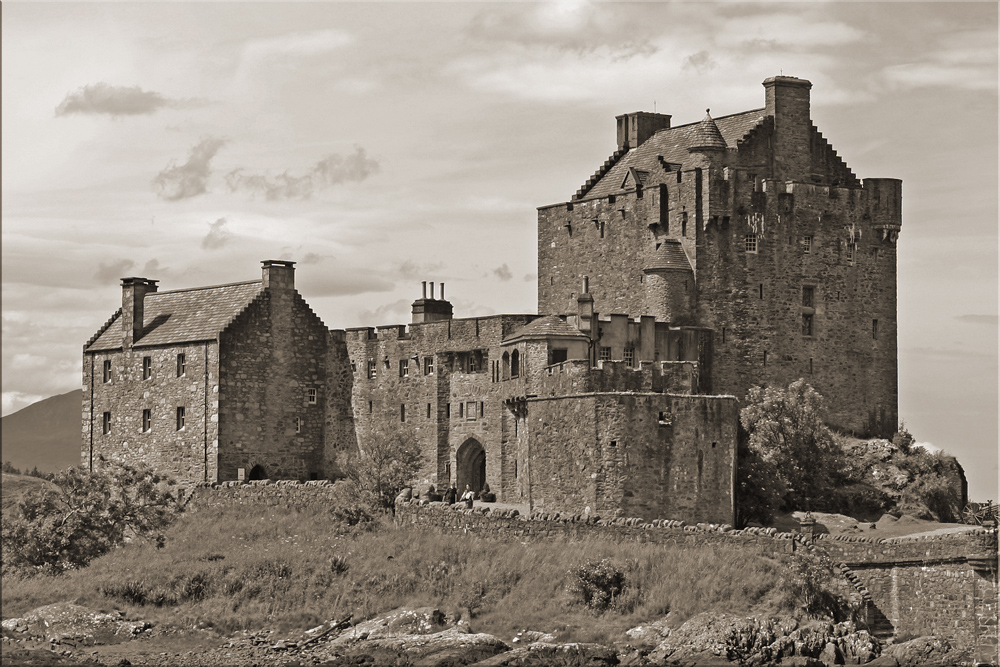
(550, 326)
(672, 144)
(670, 255)
(183, 316)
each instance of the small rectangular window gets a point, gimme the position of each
(874, 329)
(750, 243)
(372, 369)
(402, 412)
(601, 224)
(404, 368)
(559, 355)
(470, 411)
(605, 354)
(630, 356)
(311, 396)
(298, 425)
(474, 362)
(180, 418)
(447, 410)
(684, 223)
(181, 365)
(106, 423)
(482, 409)
(808, 296)
(807, 244)
(147, 368)
(428, 410)
(461, 409)
(354, 367)
(147, 420)
(107, 371)
(807, 324)
(850, 251)
(370, 407)
(428, 365)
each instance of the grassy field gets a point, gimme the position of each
(250, 567)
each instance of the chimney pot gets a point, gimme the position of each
(278, 274)
(442, 290)
(432, 290)
(423, 287)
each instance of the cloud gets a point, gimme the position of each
(191, 178)
(297, 44)
(152, 268)
(978, 319)
(503, 272)
(108, 273)
(529, 277)
(964, 59)
(103, 98)
(328, 172)
(411, 270)
(218, 236)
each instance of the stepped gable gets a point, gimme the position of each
(670, 255)
(550, 326)
(672, 145)
(183, 316)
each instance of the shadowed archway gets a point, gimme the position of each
(471, 466)
(257, 472)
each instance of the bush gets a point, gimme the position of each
(597, 584)
(387, 460)
(85, 514)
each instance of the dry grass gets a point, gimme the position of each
(245, 568)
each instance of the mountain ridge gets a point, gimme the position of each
(45, 434)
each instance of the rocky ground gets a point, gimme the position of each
(65, 634)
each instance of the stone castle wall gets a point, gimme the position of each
(189, 452)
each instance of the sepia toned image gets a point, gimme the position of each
(714, 380)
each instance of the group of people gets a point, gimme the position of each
(451, 495)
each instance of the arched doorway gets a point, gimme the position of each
(257, 472)
(471, 464)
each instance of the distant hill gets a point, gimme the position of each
(16, 486)
(45, 434)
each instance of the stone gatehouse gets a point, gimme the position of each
(699, 260)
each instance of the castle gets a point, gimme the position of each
(698, 261)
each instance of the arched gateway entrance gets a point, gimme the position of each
(471, 464)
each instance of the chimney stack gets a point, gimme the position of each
(430, 309)
(786, 99)
(585, 307)
(278, 274)
(134, 291)
(635, 128)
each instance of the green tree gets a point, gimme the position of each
(386, 462)
(82, 515)
(787, 431)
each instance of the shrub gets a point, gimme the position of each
(385, 463)
(85, 514)
(597, 584)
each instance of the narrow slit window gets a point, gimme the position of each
(402, 412)
(180, 418)
(761, 289)
(684, 223)
(106, 423)
(147, 420)
(181, 364)
(147, 368)
(447, 410)
(765, 358)
(107, 371)
(808, 296)
(298, 424)
(461, 410)
(404, 368)
(807, 324)
(370, 407)
(874, 329)
(372, 369)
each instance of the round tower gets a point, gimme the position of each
(670, 284)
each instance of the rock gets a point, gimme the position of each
(64, 621)
(652, 633)
(544, 654)
(532, 636)
(831, 655)
(921, 652)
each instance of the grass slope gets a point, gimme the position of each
(45, 434)
(14, 487)
(254, 567)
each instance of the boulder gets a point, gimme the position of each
(67, 622)
(544, 654)
(921, 652)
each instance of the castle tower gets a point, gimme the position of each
(670, 284)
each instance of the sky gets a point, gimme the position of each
(382, 144)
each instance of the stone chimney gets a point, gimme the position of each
(585, 307)
(634, 128)
(430, 309)
(786, 98)
(278, 275)
(134, 291)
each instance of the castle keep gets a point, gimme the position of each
(698, 261)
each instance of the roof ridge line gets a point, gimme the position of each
(715, 118)
(195, 289)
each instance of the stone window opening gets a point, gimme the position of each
(604, 354)
(404, 368)
(482, 409)
(107, 371)
(385, 361)
(402, 412)
(629, 356)
(428, 410)
(311, 396)
(370, 407)
(723, 334)
(810, 365)
(470, 411)
(665, 419)
(372, 369)
(515, 364)
(807, 324)
(106, 423)
(506, 366)
(750, 243)
(298, 424)
(559, 355)
(147, 368)
(874, 329)
(515, 468)
(684, 223)
(613, 443)
(354, 367)
(147, 420)
(807, 244)
(765, 358)
(600, 226)
(850, 250)
(181, 365)
(761, 290)
(428, 365)
(447, 410)
(808, 296)
(461, 410)
(180, 418)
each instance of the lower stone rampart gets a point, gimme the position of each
(942, 585)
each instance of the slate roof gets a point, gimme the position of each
(183, 316)
(670, 255)
(672, 145)
(545, 327)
